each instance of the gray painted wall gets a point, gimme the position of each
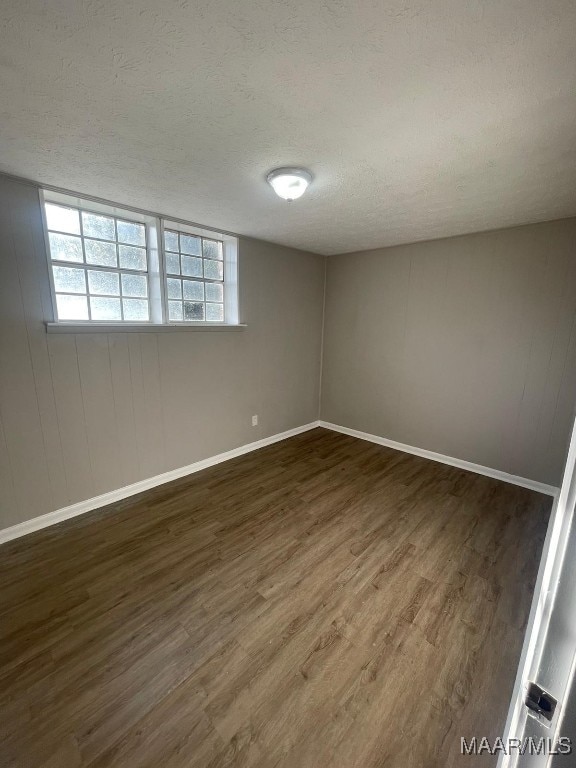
(464, 346)
(84, 414)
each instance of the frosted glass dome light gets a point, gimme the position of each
(289, 183)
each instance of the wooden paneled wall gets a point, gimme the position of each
(89, 413)
(464, 346)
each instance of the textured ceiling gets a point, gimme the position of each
(419, 118)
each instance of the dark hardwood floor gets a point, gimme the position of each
(320, 602)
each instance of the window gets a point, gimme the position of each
(110, 265)
(99, 265)
(194, 277)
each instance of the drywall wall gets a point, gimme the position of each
(465, 346)
(84, 414)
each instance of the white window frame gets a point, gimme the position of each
(230, 261)
(157, 285)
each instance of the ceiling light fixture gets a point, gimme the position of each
(289, 183)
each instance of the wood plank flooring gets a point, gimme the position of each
(320, 602)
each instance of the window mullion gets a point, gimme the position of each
(155, 279)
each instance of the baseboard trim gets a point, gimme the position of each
(80, 508)
(497, 474)
(89, 505)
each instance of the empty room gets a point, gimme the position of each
(287, 384)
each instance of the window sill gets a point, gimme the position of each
(138, 327)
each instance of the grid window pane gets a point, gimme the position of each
(98, 240)
(212, 249)
(213, 270)
(105, 308)
(172, 264)
(65, 248)
(193, 310)
(191, 245)
(175, 310)
(94, 225)
(130, 232)
(69, 279)
(171, 241)
(214, 292)
(72, 307)
(134, 285)
(174, 288)
(136, 310)
(99, 253)
(191, 266)
(215, 312)
(107, 283)
(62, 219)
(132, 258)
(193, 256)
(193, 289)
(99, 264)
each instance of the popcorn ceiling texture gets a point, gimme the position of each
(419, 119)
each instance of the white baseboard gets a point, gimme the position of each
(497, 474)
(51, 518)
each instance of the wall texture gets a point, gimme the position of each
(84, 414)
(464, 346)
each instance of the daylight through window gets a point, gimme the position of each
(110, 266)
